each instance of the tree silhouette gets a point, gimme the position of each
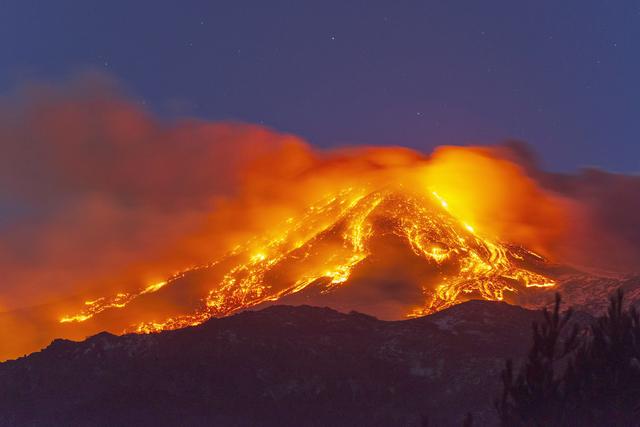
(534, 396)
(604, 376)
(589, 377)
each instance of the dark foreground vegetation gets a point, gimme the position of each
(577, 377)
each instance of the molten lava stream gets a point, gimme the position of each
(331, 239)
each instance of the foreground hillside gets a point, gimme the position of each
(279, 366)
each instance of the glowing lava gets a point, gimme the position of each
(333, 237)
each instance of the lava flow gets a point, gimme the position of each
(323, 248)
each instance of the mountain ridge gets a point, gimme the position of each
(281, 365)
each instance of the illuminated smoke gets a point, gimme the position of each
(106, 205)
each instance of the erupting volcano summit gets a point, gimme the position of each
(393, 252)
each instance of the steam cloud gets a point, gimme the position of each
(95, 192)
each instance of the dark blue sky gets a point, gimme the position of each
(562, 75)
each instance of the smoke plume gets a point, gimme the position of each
(97, 193)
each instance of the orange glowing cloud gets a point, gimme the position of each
(496, 196)
(107, 199)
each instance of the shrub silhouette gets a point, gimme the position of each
(572, 376)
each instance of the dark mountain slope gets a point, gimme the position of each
(279, 366)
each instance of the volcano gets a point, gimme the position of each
(390, 253)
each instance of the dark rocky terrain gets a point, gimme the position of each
(279, 366)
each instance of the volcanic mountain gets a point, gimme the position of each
(222, 356)
(390, 253)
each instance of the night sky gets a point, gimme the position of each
(561, 75)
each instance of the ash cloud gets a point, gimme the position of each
(603, 231)
(98, 193)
